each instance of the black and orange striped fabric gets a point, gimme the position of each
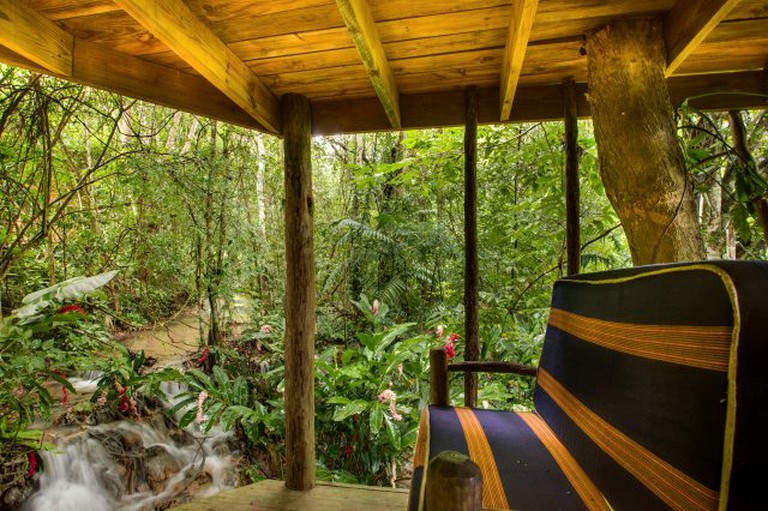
(651, 395)
(523, 464)
(638, 380)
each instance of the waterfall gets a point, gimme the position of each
(132, 466)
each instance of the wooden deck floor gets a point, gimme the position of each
(273, 496)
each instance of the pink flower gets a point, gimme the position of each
(375, 307)
(453, 337)
(102, 399)
(389, 395)
(72, 308)
(266, 329)
(450, 350)
(439, 331)
(396, 416)
(200, 400)
(64, 395)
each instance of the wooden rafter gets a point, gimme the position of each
(688, 24)
(34, 37)
(97, 67)
(523, 13)
(177, 27)
(359, 21)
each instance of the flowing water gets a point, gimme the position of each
(132, 466)
(135, 466)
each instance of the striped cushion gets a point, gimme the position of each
(634, 380)
(523, 464)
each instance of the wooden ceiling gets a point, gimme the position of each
(375, 64)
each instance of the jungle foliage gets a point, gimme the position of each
(190, 212)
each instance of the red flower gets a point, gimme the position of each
(64, 396)
(32, 456)
(72, 308)
(203, 356)
(450, 350)
(121, 393)
(347, 450)
(453, 337)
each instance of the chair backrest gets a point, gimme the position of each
(634, 380)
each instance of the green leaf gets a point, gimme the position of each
(221, 378)
(358, 406)
(188, 418)
(240, 391)
(377, 417)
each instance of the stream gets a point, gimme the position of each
(127, 465)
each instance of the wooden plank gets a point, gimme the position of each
(98, 67)
(359, 21)
(688, 24)
(299, 295)
(34, 37)
(56, 10)
(732, 46)
(541, 103)
(271, 495)
(523, 13)
(173, 23)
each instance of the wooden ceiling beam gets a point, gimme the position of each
(523, 13)
(359, 20)
(688, 24)
(105, 69)
(177, 27)
(744, 90)
(34, 37)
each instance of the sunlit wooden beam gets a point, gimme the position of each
(359, 21)
(127, 75)
(35, 37)
(523, 13)
(177, 27)
(688, 24)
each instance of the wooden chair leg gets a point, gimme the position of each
(454, 483)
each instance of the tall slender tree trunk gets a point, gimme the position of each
(641, 163)
(738, 132)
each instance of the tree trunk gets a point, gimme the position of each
(299, 296)
(641, 163)
(749, 164)
(471, 279)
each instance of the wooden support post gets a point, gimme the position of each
(438, 373)
(641, 163)
(299, 296)
(471, 301)
(572, 209)
(454, 483)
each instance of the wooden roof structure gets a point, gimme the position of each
(370, 65)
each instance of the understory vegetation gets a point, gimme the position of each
(184, 213)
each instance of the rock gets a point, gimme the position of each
(15, 496)
(159, 466)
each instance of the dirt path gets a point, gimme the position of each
(171, 341)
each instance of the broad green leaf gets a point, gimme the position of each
(349, 409)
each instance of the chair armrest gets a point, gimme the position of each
(438, 370)
(492, 366)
